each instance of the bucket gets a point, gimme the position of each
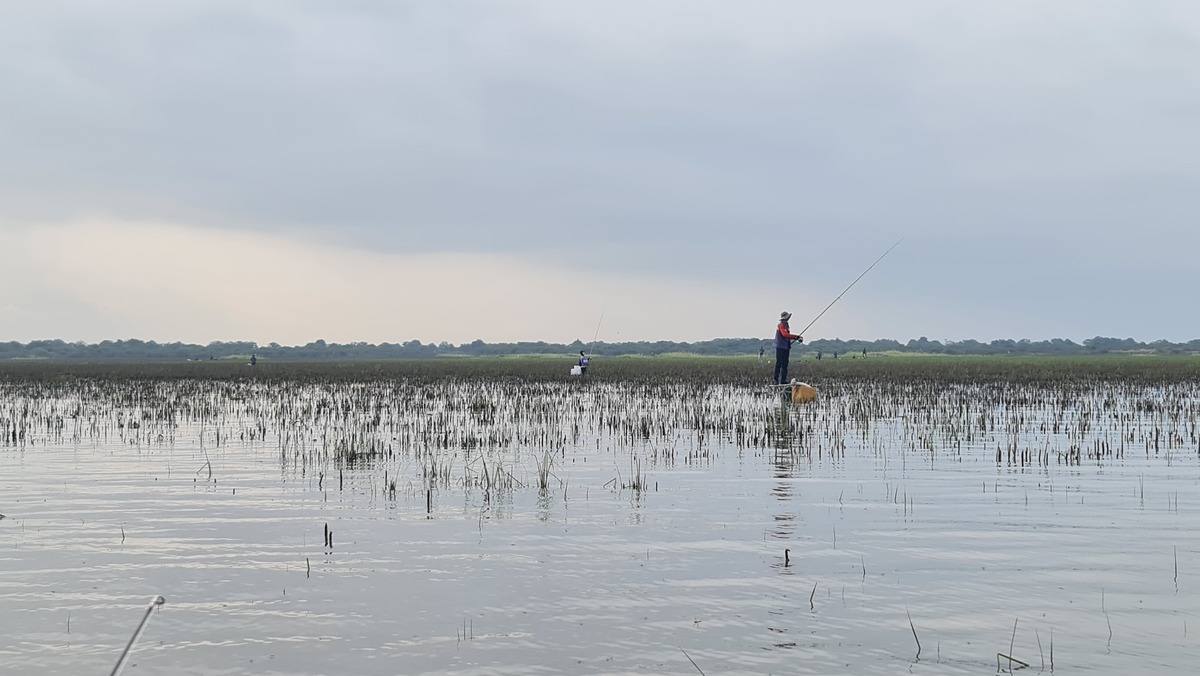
(803, 393)
(576, 371)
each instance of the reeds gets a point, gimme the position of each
(496, 428)
(914, 633)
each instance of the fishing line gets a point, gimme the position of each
(597, 334)
(864, 273)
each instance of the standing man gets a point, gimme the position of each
(783, 347)
(583, 363)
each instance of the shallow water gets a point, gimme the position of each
(1097, 564)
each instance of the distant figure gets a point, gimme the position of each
(583, 363)
(253, 359)
(835, 355)
(818, 355)
(783, 347)
(864, 353)
(761, 349)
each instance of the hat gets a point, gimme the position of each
(784, 316)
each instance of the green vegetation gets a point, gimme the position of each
(138, 350)
(889, 368)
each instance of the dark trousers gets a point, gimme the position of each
(781, 364)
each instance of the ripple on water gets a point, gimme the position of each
(593, 578)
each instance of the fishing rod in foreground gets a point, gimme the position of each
(864, 274)
(120, 666)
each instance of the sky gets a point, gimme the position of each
(291, 170)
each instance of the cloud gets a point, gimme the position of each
(166, 282)
(1033, 154)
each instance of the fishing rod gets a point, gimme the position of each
(581, 368)
(597, 334)
(154, 603)
(864, 273)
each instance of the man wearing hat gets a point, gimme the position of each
(783, 347)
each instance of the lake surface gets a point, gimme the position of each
(657, 541)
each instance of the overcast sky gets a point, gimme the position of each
(386, 171)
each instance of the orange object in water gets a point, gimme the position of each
(803, 393)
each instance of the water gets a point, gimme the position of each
(1098, 562)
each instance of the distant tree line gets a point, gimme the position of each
(133, 349)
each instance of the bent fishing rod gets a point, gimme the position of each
(864, 274)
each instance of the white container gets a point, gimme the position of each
(576, 371)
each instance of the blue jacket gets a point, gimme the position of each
(784, 337)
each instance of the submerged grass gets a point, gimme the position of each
(487, 429)
(728, 370)
(501, 425)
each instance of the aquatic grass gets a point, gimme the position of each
(914, 633)
(480, 436)
(359, 424)
(543, 471)
(1012, 660)
(499, 426)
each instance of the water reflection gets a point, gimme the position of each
(441, 567)
(784, 467)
